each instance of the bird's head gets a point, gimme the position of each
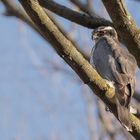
(104, 31)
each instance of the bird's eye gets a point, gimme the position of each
(101, 33)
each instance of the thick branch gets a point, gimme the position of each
(125, 26)
(70, 54)
(81, 19)
(68, 37)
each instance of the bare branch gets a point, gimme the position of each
(70, 54)
(68, 37)
(126, 27)
(81, 19)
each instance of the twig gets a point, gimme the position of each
(81, 19)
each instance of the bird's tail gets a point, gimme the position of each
(124, 116)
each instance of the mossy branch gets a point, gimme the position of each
(76, 17)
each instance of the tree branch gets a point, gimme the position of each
(125, 26)
(81, 19)
(69, 37)
(69, 53)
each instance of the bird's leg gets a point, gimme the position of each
(110, 83)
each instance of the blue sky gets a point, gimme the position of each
(37, 102)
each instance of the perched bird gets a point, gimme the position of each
(117, 66)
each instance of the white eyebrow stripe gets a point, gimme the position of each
(108, 28)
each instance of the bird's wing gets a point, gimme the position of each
(112, 61)
(99, 58)
(122, 63)
(124, 73)
(126, 62)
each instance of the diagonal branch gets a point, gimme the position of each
(81, 19)
(126, 27)
(69, 53)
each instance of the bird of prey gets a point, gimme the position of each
(117, 66)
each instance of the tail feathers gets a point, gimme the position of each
(124, 116)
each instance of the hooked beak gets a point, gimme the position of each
(97, 34)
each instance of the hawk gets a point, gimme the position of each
(117, 66)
